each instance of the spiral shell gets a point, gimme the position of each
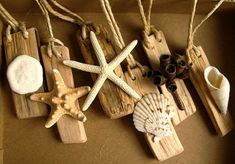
(152, 115)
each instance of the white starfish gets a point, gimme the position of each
(105, 70)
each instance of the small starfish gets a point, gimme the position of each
(62, 100)
(105, 70)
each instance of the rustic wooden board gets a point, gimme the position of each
(1, 96)
(25, 108)
(222, 123)
(153, 53)
(115, 102)
(70, 130)
(169, 146)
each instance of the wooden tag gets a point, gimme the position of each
(156, 49)
(222, 123)
(169, 146)
(70, 130)
(114, 101)
(25, 108)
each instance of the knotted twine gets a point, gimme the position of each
(148, 28)
(52, 40)
(71, 17)
(192, 31)
(13, 24)
(132, 63)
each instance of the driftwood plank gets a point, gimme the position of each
(169, 146)
(1, 97)
(70, 130)
(25, 108)
(154, 51)
(222, 123)
(113, 100)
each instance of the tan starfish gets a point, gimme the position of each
(62, 100)
(105, 70)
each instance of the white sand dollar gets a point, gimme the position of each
(25, 74)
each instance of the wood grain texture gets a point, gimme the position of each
(1, 96)
(169, 146)
(25, 108)
(114, 101)
(153, 52)
(70, 129)
(222, 123)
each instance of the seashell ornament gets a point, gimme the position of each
(152, 115)
(25, 74)
(219, 87)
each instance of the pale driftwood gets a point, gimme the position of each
(25, 108)
(115, 102)
(222, 123)
(153, 51)
(70, 129)
(169, 146)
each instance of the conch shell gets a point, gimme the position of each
(219, 87)
(152, 115)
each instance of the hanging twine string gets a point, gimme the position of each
(72, 18)
(52, 40)
(132, 63)
(12, 24)
(192, 31)
(148, 28)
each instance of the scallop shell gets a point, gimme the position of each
(219, 87)
(152, 115)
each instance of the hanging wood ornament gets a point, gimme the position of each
(167, 144)
(22, 42)
(156, 47)
(71, 130)
(199, 64)
(114, 101)
(105, 70)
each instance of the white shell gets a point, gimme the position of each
(25, 74)
(152, 115)
(219, 87)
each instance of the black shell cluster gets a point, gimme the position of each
(171, 67)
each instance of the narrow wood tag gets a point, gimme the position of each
(222, 123)
(169, 146)
(70, 129)
(114, 101)
(25, 108)
(154, 51)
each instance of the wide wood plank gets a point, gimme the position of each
(114, 101)
(70, 129)
(25, 108)
(222, 123)
(153, 51)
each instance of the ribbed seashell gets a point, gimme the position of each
(218, 86)
(152, 115)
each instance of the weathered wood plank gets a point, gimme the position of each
(153, 51)
(70, 130)
(169, 146)
(1, 96)
(115, 102)
(222, 123)
(25, 108)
